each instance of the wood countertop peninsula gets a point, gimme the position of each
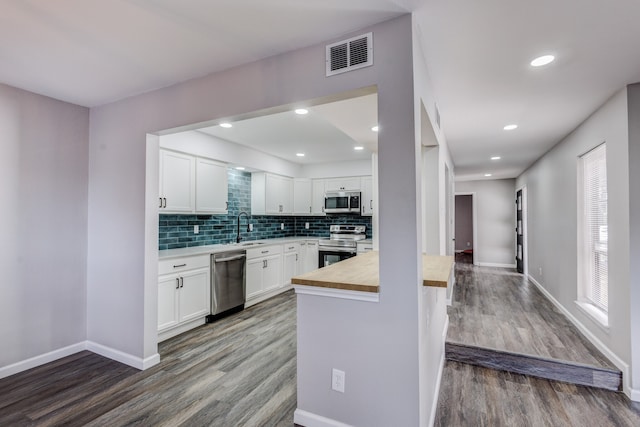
(360, 273)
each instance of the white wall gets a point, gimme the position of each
(496, 220)
(119, 248)
(43, 193)
(202, 144)
(552, 220)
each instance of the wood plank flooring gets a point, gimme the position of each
(238, 371)
(475, 396)
(500, 309)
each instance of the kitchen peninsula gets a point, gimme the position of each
(361, 273)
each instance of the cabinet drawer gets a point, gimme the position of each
(176, 265)
(263, 251)
(291, 247)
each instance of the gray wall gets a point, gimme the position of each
(464, 222)
(496, 219)
(43, 193)
(383, 387)
(634, 233)
(552, 219)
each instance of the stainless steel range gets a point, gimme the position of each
(341, 244)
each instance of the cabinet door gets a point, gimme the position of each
(286, 195)
(367, 196)
(211, 187)
(342, 184)
(194, 297)
(254, 276)
(317, 197)
(302, 196)
(311, 257)
(290, 260)
(273, 190)
(272, 273)
(168, 289)
(177, 181)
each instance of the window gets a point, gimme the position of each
(593, 286)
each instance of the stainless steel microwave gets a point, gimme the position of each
(342, 202)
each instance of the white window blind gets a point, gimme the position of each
(595, 232)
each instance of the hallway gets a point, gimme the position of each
(500, 320)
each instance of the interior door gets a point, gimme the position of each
(519, 234)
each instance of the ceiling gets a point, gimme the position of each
(327, 133)
(94, 52)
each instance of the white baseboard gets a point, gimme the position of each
(609, 354)
(123, 357)
(308, 419)
(36, 361)
(170, 333)
(265, 296)
(495, 264)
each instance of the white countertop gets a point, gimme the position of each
(211, 249)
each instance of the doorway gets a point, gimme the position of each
(465, 229)
(521, 213)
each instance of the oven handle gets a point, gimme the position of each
(337, 249)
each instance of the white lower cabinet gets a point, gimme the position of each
(264, 271)
(184, 291)
(291, 261)
(308, 256)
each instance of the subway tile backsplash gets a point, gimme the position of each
(176, 231)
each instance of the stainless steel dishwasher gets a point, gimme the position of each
(227, 283)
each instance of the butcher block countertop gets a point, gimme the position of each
(360, 273)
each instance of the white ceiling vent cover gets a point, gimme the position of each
(349, 55)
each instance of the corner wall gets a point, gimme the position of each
(43, 193)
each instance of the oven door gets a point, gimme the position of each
(333, 255)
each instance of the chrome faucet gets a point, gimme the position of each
(238, 238)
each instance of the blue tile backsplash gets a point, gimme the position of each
(176, 231)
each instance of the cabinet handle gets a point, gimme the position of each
(309, 209)
(264, 263)
(296, 257)
(160, 202)
(177, 283)
(291, 247)
(265, 252)
(179, 265)
(371, 204)
(182, 282)
(165, 202)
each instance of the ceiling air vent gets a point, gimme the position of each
(351, 54)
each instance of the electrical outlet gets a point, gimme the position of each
(250, 227)
(306, 225)
(337, 380)
(540, 270)
(196, 229)
(282, 226)
(468, 244)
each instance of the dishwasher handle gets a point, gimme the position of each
(231, 258)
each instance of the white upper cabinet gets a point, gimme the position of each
(271, 194)
(177, 182)
(211, 187)
(302, 196)
(317, 197)
(367, 196)
(342, 184)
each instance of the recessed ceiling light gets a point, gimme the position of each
(358, 148)
(226, 125)
(302, 111)
(496, 158)
(300, 154)
(510, 127)
(375, 128)
(542, 60)
(487, 174)
(240, 168)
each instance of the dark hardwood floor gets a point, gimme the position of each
(500, 309)
(239, 371)
(474, 396)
